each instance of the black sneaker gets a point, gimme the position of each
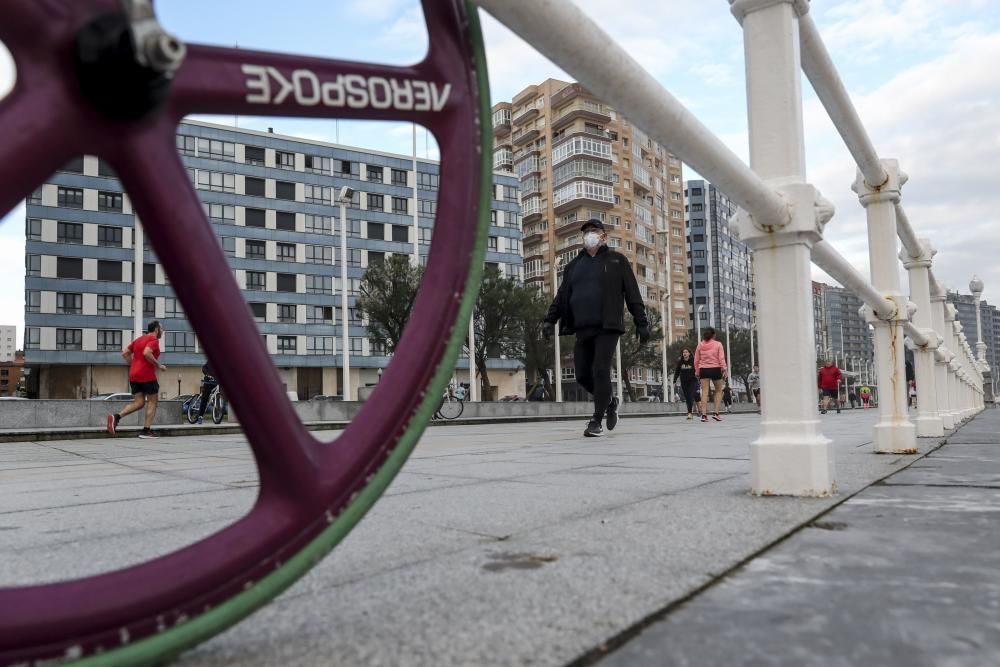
(822, 412)
(594, 430)
(612, 415)
(148, 434)
(838, 411)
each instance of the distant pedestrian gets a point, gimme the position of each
(866, 396)
(727, 398)
(853, 398)
(689, 383)
(829, 383)
(143, 355)
(597, 285)
(912, 394)
(208, 383)
(754, 385)
(710, 367)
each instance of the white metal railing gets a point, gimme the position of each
(782, 218)
(583, 190)
(531, 206)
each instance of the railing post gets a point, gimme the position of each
(791, 456)
(954, 363)
(894, 432)
(941, 358)
(928, 420)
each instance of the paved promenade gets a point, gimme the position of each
(526, 543)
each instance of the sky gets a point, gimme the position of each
(922, 73)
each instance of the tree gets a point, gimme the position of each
(536, 352)
(639, 355)
(499, 321)
(739, 365)
(386, 295)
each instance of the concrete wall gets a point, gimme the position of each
(45, 414)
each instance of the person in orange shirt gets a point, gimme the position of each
(710, 367)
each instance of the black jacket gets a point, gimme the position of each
(685, 371)
(620, 289)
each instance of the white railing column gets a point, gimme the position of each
(954, 363)
(928, 421)
(894, 432)
(941, 358)
(791, 456)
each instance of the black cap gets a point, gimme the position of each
(593, 222)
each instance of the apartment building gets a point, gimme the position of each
(847, 334)
(8, 342)
(576, 158)
(990, 320)
(271, 200)
(720, 266)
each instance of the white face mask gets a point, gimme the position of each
(591, 240)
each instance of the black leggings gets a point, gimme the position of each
(592, 358)
(206, 391)
(690, 390)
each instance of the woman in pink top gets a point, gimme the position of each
(710, 366)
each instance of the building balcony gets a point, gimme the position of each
(582, 192)
(501, 128)
(521, 137)
(530, 208)
(525, 167)
(531, 185)
(585, 109)
(525, 115)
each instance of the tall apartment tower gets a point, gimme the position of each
(990, 318)
(847, 332)
(820, 337)
(577, 159)
(270, 199)
(8, 342)
(720, 266)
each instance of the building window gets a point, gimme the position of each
(36, 196)
(286, 282)
(172, 308)
(319, 284)
(254, 186)
(346, 168)
(109, 305)
(427, 208)
(254, 217)
(185, 144)
(69, 304)
(109, 201)
(427, 181)
(319, 345)
(514, 245)
(256, 280)
(319, 224)
(284, 160)
(318, 194)
(69, 339)
(357, 345)
(216, 181)
(399, 177)
(259, 311)
(179, 341)
(400, 205)
(109, 270)
(254, 155)
(319, 314)
(217, 150)
(375, 257)
(32, 338)
(376, 202)
(286, 312)
(149, 306)
(376, 230)
(285, 221)
(69, 232)
(286, 345)
(69, 267)
(110, 237)
(354, 257)
(33, 229)
(286, 252)
(255, 249)
(400, 234)
(284, 190)
(319, 254)
(33, 301)
(354, 228)
(220, 212)
(74, 166)
(491, 244)
(318, 165)
(374, 174)
(109, 340)
(149, 273)
(229, 246)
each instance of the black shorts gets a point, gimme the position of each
(832, 393)
(147, 388)
(711, 373)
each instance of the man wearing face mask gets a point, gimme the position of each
(597, 285)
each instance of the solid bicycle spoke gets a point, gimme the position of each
(190, 252)
(227, 81)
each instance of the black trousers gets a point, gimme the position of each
(690, 390)
(206, 391)
(592, 358)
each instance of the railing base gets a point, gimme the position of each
(895, 438)
(792, 466)
(929, 427)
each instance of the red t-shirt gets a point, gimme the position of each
(141, 370)
(829, 378)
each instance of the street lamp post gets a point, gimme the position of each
(697, 320)
(976, 287)
(667, 340)
(344, 198)
(729, 356)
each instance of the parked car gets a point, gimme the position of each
(327, 397)
(117, 396)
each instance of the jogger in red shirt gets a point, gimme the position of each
(143, 355)
(829, 383)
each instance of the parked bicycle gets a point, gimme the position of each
(216, 401)
(452, 403)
